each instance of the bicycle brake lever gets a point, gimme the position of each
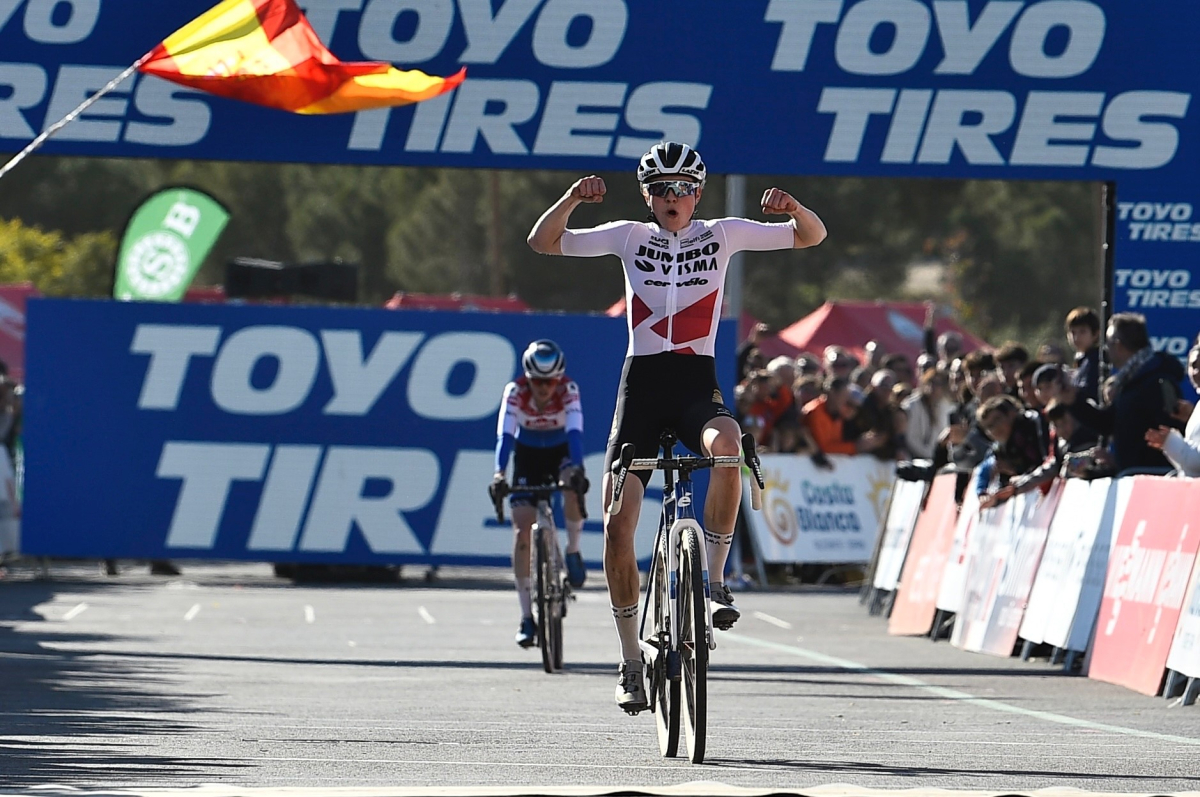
(750, 455)
(621, 471)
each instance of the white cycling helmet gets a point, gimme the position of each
(670, 157)
(544, 360)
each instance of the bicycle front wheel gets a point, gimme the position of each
(665, 688)
(549, 600)
(693, 645)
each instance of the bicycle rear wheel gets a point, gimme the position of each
(666, 691)
(693, 645)
(549, 601)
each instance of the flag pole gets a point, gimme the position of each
(72, 116)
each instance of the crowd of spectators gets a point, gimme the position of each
(1014, 419)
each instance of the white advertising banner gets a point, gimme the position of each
(815, 515)
(897, 532)
(1052, 589)
(1094, 565)
(993, 538)
(1185, 647)
(954, 577)
(1018, 570)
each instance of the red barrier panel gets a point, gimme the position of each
(915, 605)
(1147, 581)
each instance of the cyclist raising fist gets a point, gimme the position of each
(541, 427)
(674, 284)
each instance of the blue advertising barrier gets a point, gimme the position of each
(294, 434)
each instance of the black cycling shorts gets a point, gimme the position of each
(664, 391)
(533, 467)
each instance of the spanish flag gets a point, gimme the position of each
(265, 52)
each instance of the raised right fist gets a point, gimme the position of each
(589, 189)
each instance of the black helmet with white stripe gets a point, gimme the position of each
(670, 157)
(544, 360)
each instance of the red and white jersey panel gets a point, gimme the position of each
(675, 282)
(563, 411)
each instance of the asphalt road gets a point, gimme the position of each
(228, 675)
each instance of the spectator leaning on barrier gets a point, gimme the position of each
(1051, 354)
(786, 414)
(1063, 427)
(1017, 443)
(808, 364)
(877, 414)
(1083, 333)
(949, 348)
(826, 417)
(748, 347)
(899, 365)
(1025, 386)
(1010, 359)
(1145, 392)
(839, 362)
(927, 412)
(964, 439)
(1182, 450)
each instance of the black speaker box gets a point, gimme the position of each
(252, 278)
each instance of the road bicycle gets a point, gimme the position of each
(553, 590)
(681, 634)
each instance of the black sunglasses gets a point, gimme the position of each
(681, 188)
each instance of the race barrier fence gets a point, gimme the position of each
(1104, 573)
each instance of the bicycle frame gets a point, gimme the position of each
(677, 513)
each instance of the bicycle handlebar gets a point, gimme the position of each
(627, 462)
(499, 490)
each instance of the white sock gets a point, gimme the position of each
(716, 545)
(574, 532)
(525, 596)
(626, 619)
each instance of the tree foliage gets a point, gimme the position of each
(1019, 254)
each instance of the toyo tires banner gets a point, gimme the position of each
(288, 433)
(993, 89)
(1073, 89)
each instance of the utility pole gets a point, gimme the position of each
(735, 206)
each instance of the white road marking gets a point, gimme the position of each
(192, 612)
(75, 611)
(425, 615)
(309, 615)
(767, 618)
(954, 694)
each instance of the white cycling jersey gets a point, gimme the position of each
(675, 282)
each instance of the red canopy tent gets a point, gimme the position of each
(898, 326)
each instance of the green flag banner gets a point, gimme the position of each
(165, 242)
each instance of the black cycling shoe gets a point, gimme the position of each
(725, 614)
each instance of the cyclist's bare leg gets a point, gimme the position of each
(721, 437)
(574, 520)
(620, 562)
(523, 518)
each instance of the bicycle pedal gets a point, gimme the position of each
(633, 712)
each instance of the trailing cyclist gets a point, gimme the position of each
(541, 428)
(674, 283)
